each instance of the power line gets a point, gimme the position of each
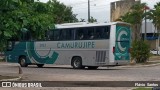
(95, 7)
(77, 4)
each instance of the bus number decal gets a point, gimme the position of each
(42, 45)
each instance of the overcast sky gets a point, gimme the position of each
(100, 9)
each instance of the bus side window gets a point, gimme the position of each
(99, 32)
(90, 34)
(10, 45)
(107, 32)
(69, 34)
(80, 34)
(26, 36)
(102, 32)
(50, 35)
(56, 35)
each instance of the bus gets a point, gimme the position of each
(77, 44)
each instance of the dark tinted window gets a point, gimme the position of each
(82, 33)
(85, 33)
(56, 35)
(50, 35)
(26, 36)
(102, 32)
(66, 34)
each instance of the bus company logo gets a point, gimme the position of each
(122, 36)
(6, 84)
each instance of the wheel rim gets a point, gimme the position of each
(23, 61)
(77, 63)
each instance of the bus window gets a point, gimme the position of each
(26, 36)
(102, 32)
(50, 35)
(80, 34)
(85, 33)
(69, 34)
(91, 34)
(10, 45)
(98, 36)
(56, 36)
(62, 34)
(106, 32)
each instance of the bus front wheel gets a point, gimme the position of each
(22, 62)
(77, 63)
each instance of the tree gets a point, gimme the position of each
(82, 20)
(140, 49)
(135, 18)
(92, 20)
(36, 17)
(154, 15)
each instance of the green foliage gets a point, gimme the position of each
(135, 17)
(36, 17)
(140, 51)
(143, 89)
(92, 20)
(154, 15)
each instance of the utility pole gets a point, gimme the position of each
(88, 10)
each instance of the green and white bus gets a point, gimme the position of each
(77, 44)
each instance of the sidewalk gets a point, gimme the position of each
(7, 76)
(147, 64)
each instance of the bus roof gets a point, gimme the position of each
(86, 24)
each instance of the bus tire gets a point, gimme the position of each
(40, 65)
(22, 61)
(92, 67)
(77, 63)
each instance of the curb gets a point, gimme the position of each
(14, 79)
(136, 66)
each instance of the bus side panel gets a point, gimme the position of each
(91, 56)
(112, 45)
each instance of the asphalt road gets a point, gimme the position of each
(66, 73)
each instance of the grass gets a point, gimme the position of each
(143, 89)
(7, 77)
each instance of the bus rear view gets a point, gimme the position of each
(120, 44)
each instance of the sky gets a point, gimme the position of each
(99, 9)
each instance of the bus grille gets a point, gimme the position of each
(100, 57)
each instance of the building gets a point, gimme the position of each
(152, 37)
(120, 8)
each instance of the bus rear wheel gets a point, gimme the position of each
(92, 67)
(40, 65)
(22, 62)
(77, 63)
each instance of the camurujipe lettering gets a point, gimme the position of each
(76, 45)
